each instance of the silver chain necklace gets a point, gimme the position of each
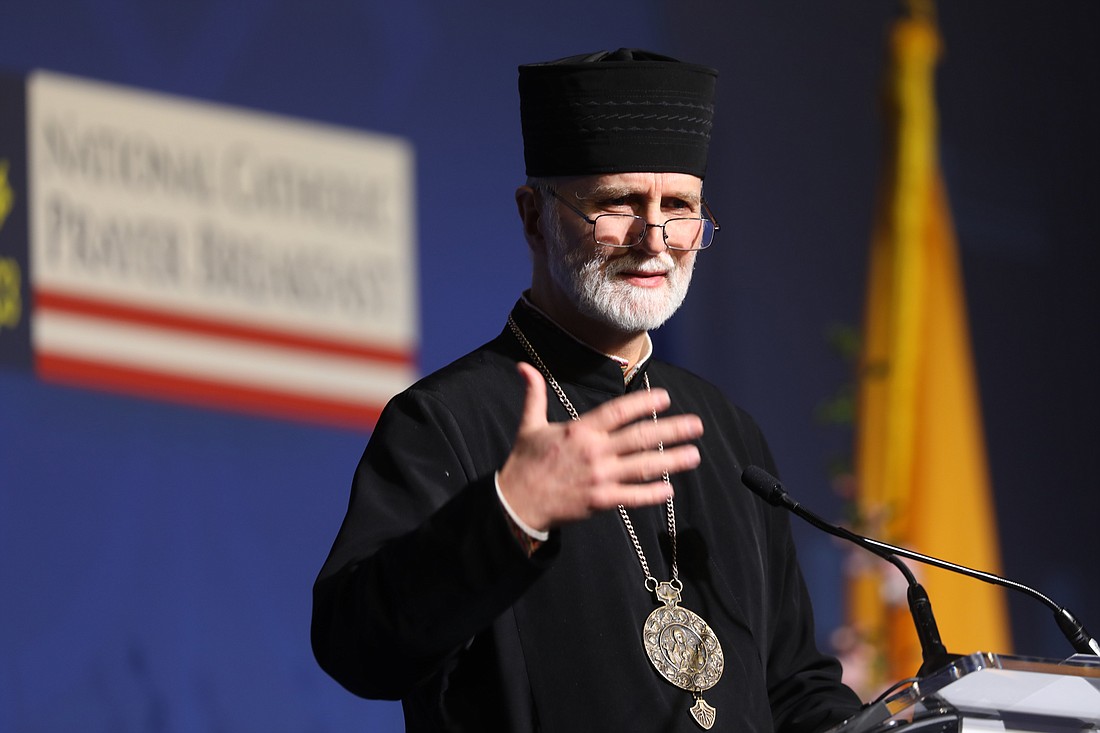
(679, 644)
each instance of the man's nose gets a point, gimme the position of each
(653, 242)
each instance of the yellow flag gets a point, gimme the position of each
(921, 473)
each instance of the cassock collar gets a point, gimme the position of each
(571, 360)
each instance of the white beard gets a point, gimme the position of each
(589, 280)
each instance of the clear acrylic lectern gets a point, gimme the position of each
(992, 692)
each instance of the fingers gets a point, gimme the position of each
(624, 410)
(614, 454)
(534, 404)
(637, 495)
(645, 434)
(647, 466)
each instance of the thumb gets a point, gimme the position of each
(534, 404)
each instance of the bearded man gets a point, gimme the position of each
(549, 534)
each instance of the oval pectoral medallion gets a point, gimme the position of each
(683, 648)
(685, 652)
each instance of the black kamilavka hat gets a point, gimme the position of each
(616, 112)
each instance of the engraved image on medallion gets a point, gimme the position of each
(683, 648)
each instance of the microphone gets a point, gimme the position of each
(771, 490)
(933, 653)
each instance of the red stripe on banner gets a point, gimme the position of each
(96, 308)
(203, 393)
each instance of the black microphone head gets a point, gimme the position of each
(764, 485)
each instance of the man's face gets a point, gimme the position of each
(628, 289)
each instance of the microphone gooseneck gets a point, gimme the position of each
(933, 652)
(771, 490)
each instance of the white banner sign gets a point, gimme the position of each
(193, 251)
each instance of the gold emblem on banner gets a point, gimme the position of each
(7, 196)
(11, 296)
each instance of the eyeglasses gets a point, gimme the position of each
(628, 230)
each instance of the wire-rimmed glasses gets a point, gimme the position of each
(628, 230)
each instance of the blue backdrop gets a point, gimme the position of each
(156, 560)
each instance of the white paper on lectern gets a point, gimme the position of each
(1025, 692)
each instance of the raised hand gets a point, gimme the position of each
(562, 472)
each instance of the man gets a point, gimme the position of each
(581, 557)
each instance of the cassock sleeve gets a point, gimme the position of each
(803, 684)
(425, 558)
(805, 691)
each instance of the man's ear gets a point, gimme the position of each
(529, 205)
